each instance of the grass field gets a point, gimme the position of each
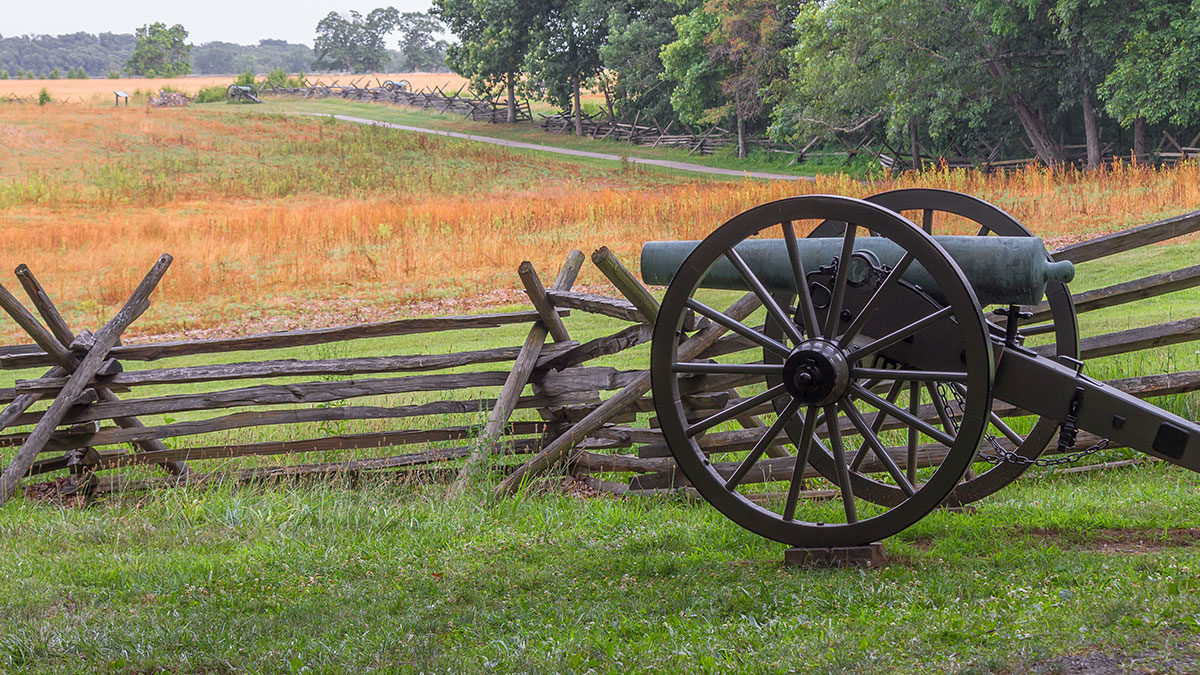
(297, 222)
(100, 90)
(268, 215)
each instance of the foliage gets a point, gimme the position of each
(160, 51)
(268, 54)
(245, 79)
(93, 53)
(353, 42)
(420, 49)
(564, 53)
(44, 97)
(281, 78)
(637, 33)
(495, 37)
(696, 97)
(1156, 73)
(213, 94)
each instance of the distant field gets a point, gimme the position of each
(301, 219)
(86, 90)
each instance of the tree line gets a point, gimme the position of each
(966, 77)
(347, 41)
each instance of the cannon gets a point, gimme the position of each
(241, 93)
(873, 328)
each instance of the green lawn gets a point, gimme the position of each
(323, 577)
(329, 579)
(530, 133)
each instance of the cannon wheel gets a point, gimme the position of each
(821, 379)
(992, 221)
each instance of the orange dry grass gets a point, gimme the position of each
(240, 259)
(86, 90)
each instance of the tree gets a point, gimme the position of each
(354, 42)
(726, 57)
(565, 52)
(421, 49)
(494, 38)
(1153, 79)
(968, 69)
(160, 51)
(637, 32)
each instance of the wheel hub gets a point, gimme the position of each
(816, 373)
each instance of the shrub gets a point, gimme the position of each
(213, 94)
(280, 78)
(43, 97)
(3, 74)
(246, 79)
(53, 75)
(114, 75)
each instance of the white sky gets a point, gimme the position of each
(244, 22)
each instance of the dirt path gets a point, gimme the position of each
(665, 163)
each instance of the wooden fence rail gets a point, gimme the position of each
(474, 106)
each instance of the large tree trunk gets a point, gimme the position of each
(1139, 140)
(1090, 128)
(512, 97)
(914, 147)
(741, 134)
(1048, 150)
(578, 108)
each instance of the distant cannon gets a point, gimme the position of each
(402, 85)
(873, 329)
(241, 93)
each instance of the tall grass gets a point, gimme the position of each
(263, 212)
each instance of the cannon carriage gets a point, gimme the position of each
(892, 348)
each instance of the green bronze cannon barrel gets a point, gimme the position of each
(1002, 270)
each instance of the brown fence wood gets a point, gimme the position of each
(295, 368)
(288, 339)
(1130, 291)
(1127, 240)
(574, 380)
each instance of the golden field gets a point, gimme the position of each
(288, 221)
(79, 91)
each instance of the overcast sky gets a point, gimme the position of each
(206, 20)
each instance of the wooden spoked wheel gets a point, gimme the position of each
(980, 480)
(868, 324)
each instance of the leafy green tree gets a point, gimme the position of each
(160, 51)
(637, 32)
(727, 55)
(44, 97)
(564, 55)
(494, 39)
(966, 69)
(353, 42)
(1153, 79)
(419, 45)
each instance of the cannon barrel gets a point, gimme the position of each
(1002, 270)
